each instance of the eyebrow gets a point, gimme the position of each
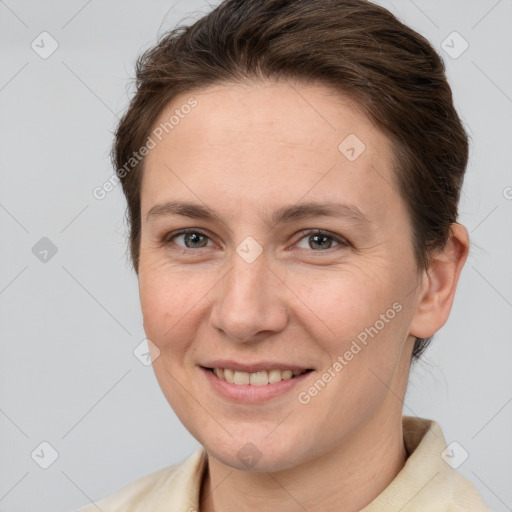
(282, 215)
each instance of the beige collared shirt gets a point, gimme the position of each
(425, 484)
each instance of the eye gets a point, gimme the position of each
(319, 239)
(192, 238)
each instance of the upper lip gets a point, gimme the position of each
(253, 367)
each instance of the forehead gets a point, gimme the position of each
(266, 144)
(309, 115)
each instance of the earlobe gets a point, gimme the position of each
(437, 290)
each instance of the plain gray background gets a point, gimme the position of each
(70, 324)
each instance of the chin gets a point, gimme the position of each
(256, 453)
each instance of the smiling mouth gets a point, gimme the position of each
(261, 378)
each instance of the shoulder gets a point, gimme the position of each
(427, 482)
(461, 494)
(133, 494)
(173, 485)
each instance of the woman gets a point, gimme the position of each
(292, 171)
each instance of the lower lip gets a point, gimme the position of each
(252, 394)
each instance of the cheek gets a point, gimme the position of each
(344, 301)
(168, 301)
(364, 317)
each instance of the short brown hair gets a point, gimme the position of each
(359, 48)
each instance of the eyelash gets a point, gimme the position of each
(342, 242)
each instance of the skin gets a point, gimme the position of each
(244, 151)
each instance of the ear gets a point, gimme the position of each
(439, 281)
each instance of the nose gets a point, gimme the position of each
(250, 301)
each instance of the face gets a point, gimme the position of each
(305, 262)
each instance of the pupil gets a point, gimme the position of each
(315, 237)
(195, 237)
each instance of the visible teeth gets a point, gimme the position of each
(274, 376)
(258, 378)
(261, 378)
(241, 378)
(287, 374)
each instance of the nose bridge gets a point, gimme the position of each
(249, 270)
(247, 301)
(247, 284)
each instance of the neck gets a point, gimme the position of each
(346, 479)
